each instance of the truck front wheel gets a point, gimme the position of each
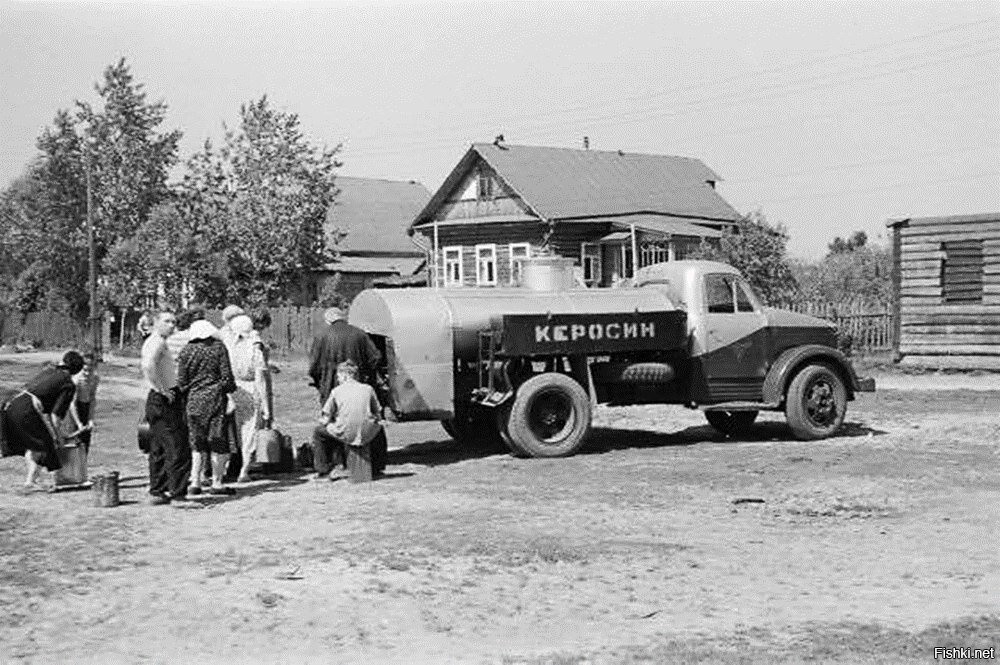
(550, 416)
(816, 402)
(731, 423)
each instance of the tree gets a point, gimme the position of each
(857, 275)
(841, 246)
(261, 202)
(758, 249)
(119, 144)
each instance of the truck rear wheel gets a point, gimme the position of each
(731, 423)
(816, 402)
(550, 416)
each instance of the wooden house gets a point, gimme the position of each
(946, 284)
(608, 211)
(375, 215)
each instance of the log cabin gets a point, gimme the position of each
(611, 212)
(946, 289)
(371, 216)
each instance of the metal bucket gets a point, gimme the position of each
(106, 490)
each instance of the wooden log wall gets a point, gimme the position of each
(953, 312)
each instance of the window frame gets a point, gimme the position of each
(492, 249)
(967, 287)
(516, 262)
(445, 261)
(597, 269)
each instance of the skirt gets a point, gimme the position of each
(27, 432)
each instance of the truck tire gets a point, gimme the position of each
(816, 402)
(550, 416)
(503, 422)
(731, 423)
(632, 373)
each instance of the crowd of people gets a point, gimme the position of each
(209, 392)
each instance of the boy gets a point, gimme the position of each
(351, 416)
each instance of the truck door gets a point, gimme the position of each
(733, 341)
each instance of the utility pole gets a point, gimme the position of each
(95, 317)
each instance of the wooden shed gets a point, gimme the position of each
(946, 284)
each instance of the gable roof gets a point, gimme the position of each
(946, 219)
(566, 183)
(376, 213)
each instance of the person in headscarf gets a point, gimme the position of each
(253, 388)
(338, 342)
(226, 333)
(205, 376)
(33, 416)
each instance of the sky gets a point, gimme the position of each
(826, 117)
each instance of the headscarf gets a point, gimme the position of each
(231, 311)
(334, 314)
(72, 362)
(203, 330)
(241, 325)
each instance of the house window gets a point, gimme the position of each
(519, 251)
(486, 265)
(485, 186)
(653, 252)
(453, 274)
(962, 271)
(590, 259)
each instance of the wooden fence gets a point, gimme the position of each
(293, 328)
(868, 326)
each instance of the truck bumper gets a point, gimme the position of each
(866, 384)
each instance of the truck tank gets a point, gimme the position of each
(426, 330)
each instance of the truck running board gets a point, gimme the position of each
(739, 406)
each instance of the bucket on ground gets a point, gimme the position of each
(106, 490)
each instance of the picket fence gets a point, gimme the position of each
(868, 326)
(292, 330)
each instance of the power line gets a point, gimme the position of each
(719, 82)
(899, 185)
(843, 167)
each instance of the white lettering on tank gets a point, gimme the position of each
(613, 331)
(559, 333)
(596, 331)
(647, 330)
(577, 331)
(542, 334)
(631, 330)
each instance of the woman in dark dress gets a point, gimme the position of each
(205, 377)
(33, 415)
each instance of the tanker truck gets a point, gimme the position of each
(528, 365)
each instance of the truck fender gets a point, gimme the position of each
(789, 362)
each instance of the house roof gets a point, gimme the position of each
(376, 213)
(664, 224)
(564, 183)
(380, 265)
(946, 219)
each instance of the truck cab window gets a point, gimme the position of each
(719, 294)
(743, 301)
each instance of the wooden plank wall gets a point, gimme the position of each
(467, 236)
(928, 324)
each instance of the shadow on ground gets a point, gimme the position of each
(606, 439)
(437, 453)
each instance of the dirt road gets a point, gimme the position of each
(662, 543)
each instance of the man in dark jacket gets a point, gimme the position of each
(340, 341)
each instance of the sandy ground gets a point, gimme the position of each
(663, 542)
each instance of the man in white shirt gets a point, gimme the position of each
(169, 453)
